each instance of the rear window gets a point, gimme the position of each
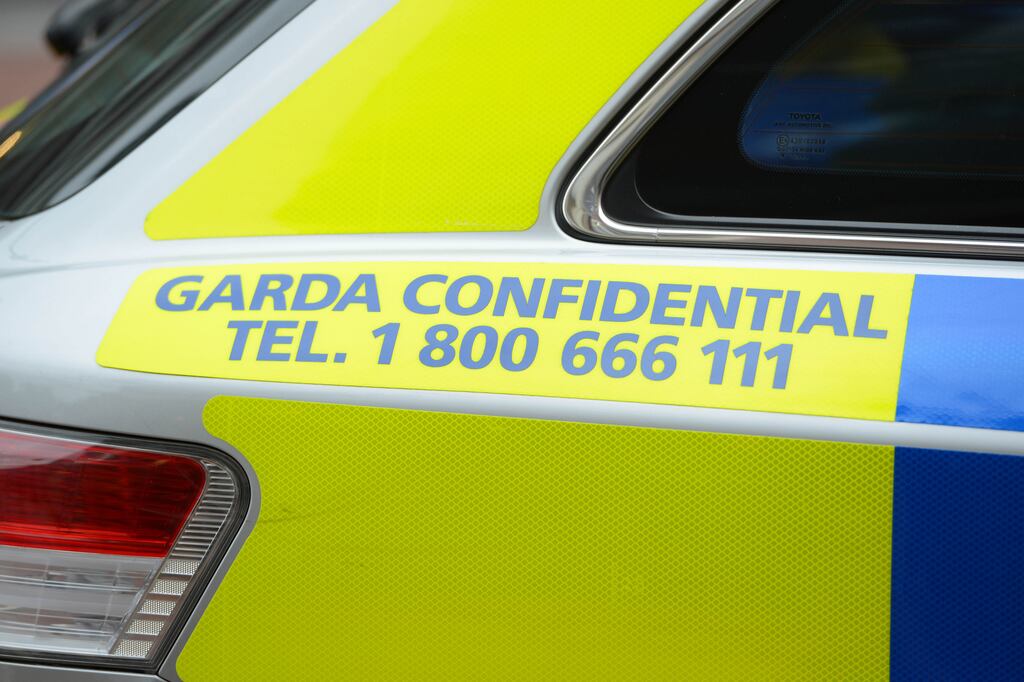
(878, 111)
(132, 83)
(897, 87)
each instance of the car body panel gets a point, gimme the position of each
(65, 274)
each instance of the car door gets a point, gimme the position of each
(661, 341)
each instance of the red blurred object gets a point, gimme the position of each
(65, 495)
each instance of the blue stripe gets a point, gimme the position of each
(957, 566)
(963, 363)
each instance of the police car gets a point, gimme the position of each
(482, 339)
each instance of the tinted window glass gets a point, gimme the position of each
(107, 104)
(867, 110)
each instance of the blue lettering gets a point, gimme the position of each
(512, 288)
(789, 311)
(590, 299)
(305, 352)
(271, 338)
(663, 302)
(862, 327)
(763, 298)
(242, 329)
(557, 296)
(484, 292)
(709, 297)
(411, 299)
(302, 302)
(816, 318)
(508, 347)
(353, 296)
(641, 299)
(188, 296)
(229, 290)
(272, 287)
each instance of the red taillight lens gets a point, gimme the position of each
(105, 545)
(89, 498)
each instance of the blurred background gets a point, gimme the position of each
(26, 62)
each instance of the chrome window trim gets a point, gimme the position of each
(583, 210)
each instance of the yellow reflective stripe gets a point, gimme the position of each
(443, 116)
(801, 342)
(397, 545)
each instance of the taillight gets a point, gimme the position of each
(103, 546)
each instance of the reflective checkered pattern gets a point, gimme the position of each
(397, 544)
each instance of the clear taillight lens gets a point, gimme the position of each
(103, 546)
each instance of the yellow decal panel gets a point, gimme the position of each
(406, 545)
(779, 341)
(441, 117)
